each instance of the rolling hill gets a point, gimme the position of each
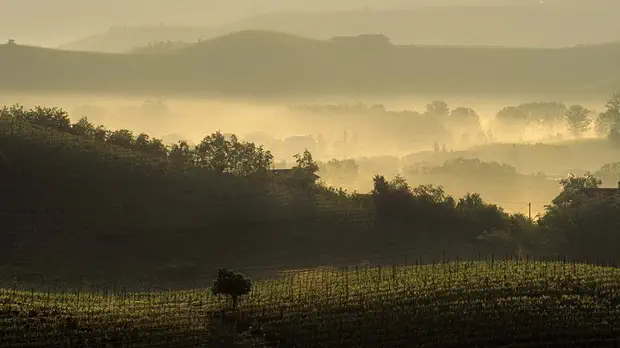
(513, 26)
(440, 305)
(271, 63)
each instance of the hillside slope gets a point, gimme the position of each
(442, 305)
(512, 26)
(271, 63)
(77, 210)
(122, 39)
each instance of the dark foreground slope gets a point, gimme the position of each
(89, 208)
(464, 304)
(268, 63)
(82, 211)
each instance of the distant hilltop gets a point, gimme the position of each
(255, 62)
(551, 25)
(363, 39)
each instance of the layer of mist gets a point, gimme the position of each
(84, 25)
(354, 140)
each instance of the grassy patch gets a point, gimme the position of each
(453, 304)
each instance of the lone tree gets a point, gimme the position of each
(610, 118)
(304, 173)
(232, 284)
(577, 119)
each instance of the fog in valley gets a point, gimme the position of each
(118, 26)
(463, 145)
(293, 173)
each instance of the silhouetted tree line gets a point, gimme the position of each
(159, 47)
(583, 220)
(429, 215)
(440, 123)
(494, 181)
(86, 186)
(107, 199)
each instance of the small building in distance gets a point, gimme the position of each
(11, 42)
(601, 191)
(367, 40)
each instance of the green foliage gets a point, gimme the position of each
(122, 137)
(468, 167)
(84, 128)
(465, 118)
(534, 114)
(512, 115)
(609, 119)
(438, 108)
(54, 118)
(493, 180)
(577, 119)
(583, 220)
(182, 154)
(408, 128)
(572, 187)
(448, 304)
(614, 135)
(142, 190)
(546, 114)
(339, 172)
(609, 173)
(305, 162)
(303, 174)
(131, 200)
(154, 147)
(231, 284)
(231, 155)
(346, 168)
(215, 152)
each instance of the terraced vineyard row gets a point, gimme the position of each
(511, 303)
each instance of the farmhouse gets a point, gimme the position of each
(602, 191)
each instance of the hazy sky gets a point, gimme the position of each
(51, 22)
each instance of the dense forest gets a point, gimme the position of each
(80, 202)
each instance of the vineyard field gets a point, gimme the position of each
(465, 303)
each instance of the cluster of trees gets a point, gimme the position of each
(339, 172)
(608, 121)
(409, 128)
(215, 152)
(429, 209)
(58, 119)
(583, 223)
(549, 116)
(224, 212)
(495, 181)
(461, 126)
(159, 47)
(579, 223)
(207, 178)
(609, 173)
